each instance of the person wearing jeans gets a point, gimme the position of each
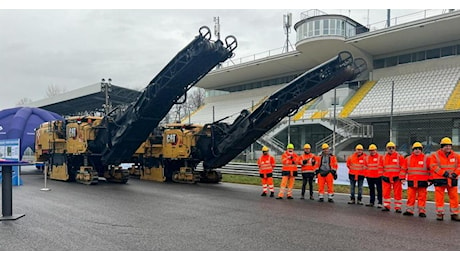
(356, 170)
(374, 173)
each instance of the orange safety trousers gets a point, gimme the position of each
(286, 181)
(387, 187)
(329, 181)
(453, 199)
(419, 194)
(267, 183)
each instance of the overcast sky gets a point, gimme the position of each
(72, 48)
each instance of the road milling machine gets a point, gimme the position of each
(173, 152)
(83, 149)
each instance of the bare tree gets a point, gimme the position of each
(54, 90)
(24, 101)
(196, 98)
(193, 100)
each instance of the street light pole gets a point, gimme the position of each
(335, 121)
(106, 88)
(391, 110)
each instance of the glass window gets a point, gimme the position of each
(350, 30)
(391, 61)
(447, 51)
(310, 29)
(431, 54)
(340, 25)
(317, 28)
(332, 26)
(378, 64)
(326, 27)
(418, 56)
(404, 58)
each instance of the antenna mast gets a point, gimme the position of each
(217, 33)
(287, 23)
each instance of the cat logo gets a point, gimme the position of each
(73, 132)
(171, 139)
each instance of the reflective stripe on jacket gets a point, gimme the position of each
(440, 163)
(417, 167)
(374, 166)
(289, 164)
(356, 164)
(394, 165)
(311, 164)
(266, 164)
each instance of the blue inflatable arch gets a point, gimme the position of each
(20, 122)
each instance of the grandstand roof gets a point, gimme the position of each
(89, 98)
(314, 51)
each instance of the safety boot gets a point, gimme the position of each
(272, 194)
(398, 211)
(422, 215)
(385, 209)
(330, 200)
(407, 213)
(455, 217)
(290, 198)
(320, 200)
(264, 194)
(440, 217)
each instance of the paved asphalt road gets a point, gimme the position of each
(150, 216)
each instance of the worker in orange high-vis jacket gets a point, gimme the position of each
(326, 173)
(266, 164)
(417, 177)
(444, 169)
(307, 161)
(356, 172)
(288, 172)
(394, 169)
(374, 171)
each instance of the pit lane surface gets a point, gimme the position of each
(150, 216)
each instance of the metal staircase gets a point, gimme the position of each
(346, 132)
(272, 143)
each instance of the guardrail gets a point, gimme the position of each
(251, 169)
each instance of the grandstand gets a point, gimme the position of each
(411, 91)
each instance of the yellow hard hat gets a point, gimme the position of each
(359, 147)
(446, 140)
(417, 145)
(391, 144)
(307, 146)
(372, 147)
(290, 146)
(265, 149)
(325, 146)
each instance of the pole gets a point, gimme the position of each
(335, 121)
(289, 130)
(252, 144)
(45, 173)
(391, 110)
(7, 194)
(388, 18)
